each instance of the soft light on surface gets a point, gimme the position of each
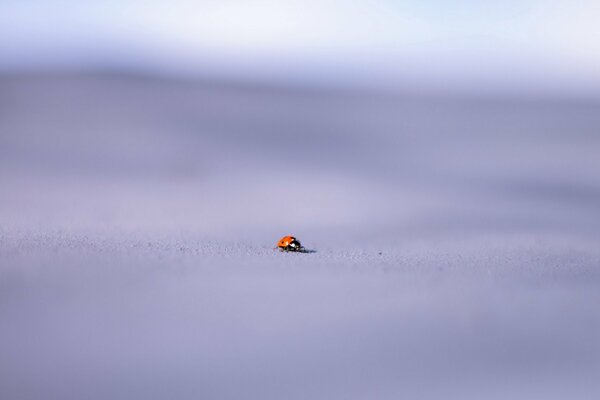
(440, 158)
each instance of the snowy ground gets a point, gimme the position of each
(457, 243)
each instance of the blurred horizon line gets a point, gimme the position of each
(290, 81)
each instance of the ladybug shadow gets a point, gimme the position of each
(302, 250)
(306, 251)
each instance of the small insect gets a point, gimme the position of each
(289, 243)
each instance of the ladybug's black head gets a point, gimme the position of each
(295, 245)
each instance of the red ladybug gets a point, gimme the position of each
(289, 243)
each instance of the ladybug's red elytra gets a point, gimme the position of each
(289, 243)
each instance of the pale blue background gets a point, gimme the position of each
(508, 45)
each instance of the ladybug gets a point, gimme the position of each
(289, 243)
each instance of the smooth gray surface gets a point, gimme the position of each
(457, 243)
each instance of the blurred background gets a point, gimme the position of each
(525, 45)
(324, 114)
(145, 145)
